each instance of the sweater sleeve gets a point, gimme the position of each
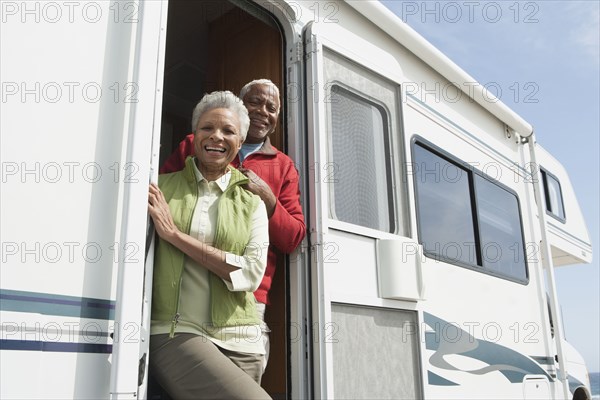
(252, 264)
(176, 161)
(286, 225)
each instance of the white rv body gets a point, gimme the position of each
(374, 309)
(79, 84)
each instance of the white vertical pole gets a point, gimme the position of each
(548, 266)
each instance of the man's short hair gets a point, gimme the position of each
(266, 82)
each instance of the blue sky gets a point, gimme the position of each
(544, 56)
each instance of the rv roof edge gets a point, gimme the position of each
(409, 38)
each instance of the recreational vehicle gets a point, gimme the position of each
(435, 220)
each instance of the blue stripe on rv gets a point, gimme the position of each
(35, 345)
(53, 304)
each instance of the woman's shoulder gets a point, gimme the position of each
(185, 174)
(174, 184)
(164, 179)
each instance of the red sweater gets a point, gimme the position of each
(286, 225)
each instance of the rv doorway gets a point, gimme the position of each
(218, 45)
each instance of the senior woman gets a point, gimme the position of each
(211, 255)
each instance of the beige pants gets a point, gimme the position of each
(260, 309)
(189, 366)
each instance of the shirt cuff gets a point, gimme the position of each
(237, 277)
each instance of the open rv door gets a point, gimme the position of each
(358, 221)
(129, 369)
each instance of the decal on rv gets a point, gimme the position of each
(513, 365)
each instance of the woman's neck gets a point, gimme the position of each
(208, 174)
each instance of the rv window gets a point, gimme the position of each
(466, 219)
(500, 230)
(360, 154)
(553, 194)
(445, 216)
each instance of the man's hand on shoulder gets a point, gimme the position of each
(261, 189)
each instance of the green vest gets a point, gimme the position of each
(232, 234)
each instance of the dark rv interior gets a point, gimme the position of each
(214, 45)
(222, 45)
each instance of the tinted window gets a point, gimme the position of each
(466, 219)
(445, 209)
(553, 194)
(500, 230)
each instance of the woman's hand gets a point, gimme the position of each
(161, 214)
(261, 189)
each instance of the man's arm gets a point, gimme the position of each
(286, 224)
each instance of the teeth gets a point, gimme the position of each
(257, 121)
(219, 149)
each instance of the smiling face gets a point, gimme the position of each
(217, 141)
(262, 103)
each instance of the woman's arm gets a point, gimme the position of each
(252, 264)
(240, 273)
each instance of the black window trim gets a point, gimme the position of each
(419, 140)
(545, 173)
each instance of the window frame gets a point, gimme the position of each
(472, 172)
(545, 174)
(379, 91)
(388, 157)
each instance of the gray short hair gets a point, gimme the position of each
(267, 82)
(224, 99)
